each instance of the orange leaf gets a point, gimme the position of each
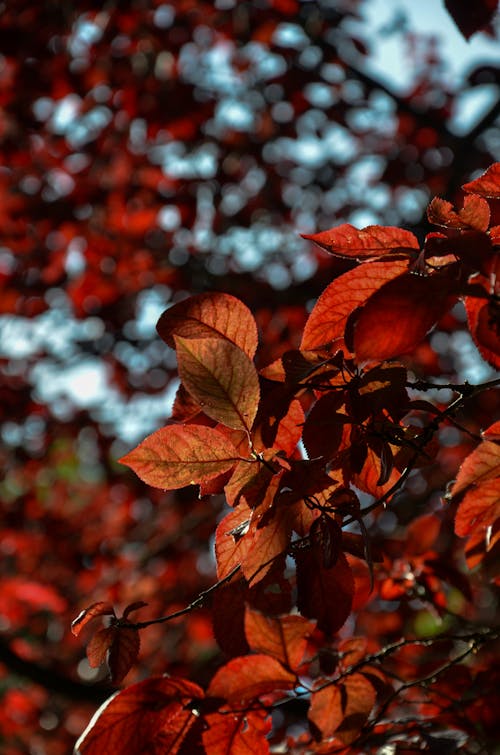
(138, 719)
(269, 541)
(176, 456)
(479, 508)
(328, 318)
(83, 618)
(231, 545)
(488, 184)
(247, 678)
(483, 463)
(283, 637)
(210, 315)
(396, 318)
(475, 213)
(222, 379)
(373, 241)
(340, 709)
(237, 732)
(324, 594)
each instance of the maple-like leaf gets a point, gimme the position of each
(483, 463)
(137, 720)
(247, 678)
(341, 708)
(396, 318)
(211, 315)
(475, 213)
(221, 378)
(237, 732)
(176, 456)
(96, 609)
(487, 184)
(283, 637)
(373, 241)
(328, 318)
(324, 594)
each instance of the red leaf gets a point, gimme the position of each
(340, 709)
(138, 719)
(488, 183)
(133, 607)
(237, 732)
(269, 541)
(323, 427)
(283, 637)
(373, 241)
(397, 317)
(483, 463)
(230, 544)
(176, 456)
(99, 645)
(221, 377)
(123, 652)
(208, 316)
(479, 508)
(324, 594)
(327, 321)
(83, 618)
(475, 213)
(484, 324)
(228, 614)
(247, 678)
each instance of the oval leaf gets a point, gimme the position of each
(324, 594)
(96, 609)
(237, 732)
(246, 678)
(488, 184)
(373, 241)
(176, 456)
(222, 378)
(210, 315)
(328, 318)
(340, 709)
(136, 720)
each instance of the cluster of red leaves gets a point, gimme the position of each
(237, 431)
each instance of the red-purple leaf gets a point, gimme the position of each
(340, 709)
(373, 241)
(221, 378)
(237, 732)
(137, 720)
(133, 607)
(210, 315)
(247, 678)
(99, 645)
(327, 321)
(231, 545)
(324, 594)
(176, 456)
(283, 637)
(397, 317)
(488, 183)
(484, 324)
(123, 652)
(94, 610)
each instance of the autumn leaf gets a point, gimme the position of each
(247, 678)
(237, 732)
(373, 241)
(210, 315)
(176, 456)
(283, 637)
(479, 508)
(137, 720)
(488, 183)
(96, 609)
(483, 316)
(328, 318)
(483, 463)
(475, 213)
(123, 652)
(397, 317)
(221, 378)
(341, 708)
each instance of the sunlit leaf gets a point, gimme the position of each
(94, 610)
(247, 678)
(483, 463)
(222, 379)
(283, 637)
(176, 456)
(373, 241)
(237, 732)
(341, 708)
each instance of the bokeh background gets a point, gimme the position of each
(148, 151)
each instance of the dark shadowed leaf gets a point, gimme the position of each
(324, 594)
(123, 652)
